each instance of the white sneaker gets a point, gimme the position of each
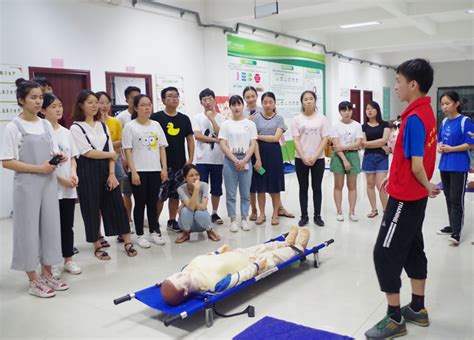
(132, 227)
(40, 289)
(56, 271)
(245, 225)
(54, 283)
(340, 217)
(72, 268)
(156, 238)
(353, 218)
(234, 226)
(143, 242)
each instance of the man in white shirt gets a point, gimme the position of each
(209, 156)
(125, 117)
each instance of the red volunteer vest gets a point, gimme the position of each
(403, 184)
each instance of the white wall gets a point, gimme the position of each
(99, 38)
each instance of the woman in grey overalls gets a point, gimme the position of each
(99, 195)
(28, 146)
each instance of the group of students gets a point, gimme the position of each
(104, 160)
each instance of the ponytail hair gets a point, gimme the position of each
(454, 96)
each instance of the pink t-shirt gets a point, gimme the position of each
(311, 131)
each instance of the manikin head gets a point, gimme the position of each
(176, 288)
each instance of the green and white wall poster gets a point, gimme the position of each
(285, 71)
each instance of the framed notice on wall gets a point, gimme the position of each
(8, 104)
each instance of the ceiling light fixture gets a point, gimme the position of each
(265, 10)
(470, 11)
(360, 24)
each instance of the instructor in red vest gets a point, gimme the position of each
(400, 241)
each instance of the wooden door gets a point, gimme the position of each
(355, 100)
(66, 84)
(367, 99)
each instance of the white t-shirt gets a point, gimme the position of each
(66, 145)
(205, 152)
(311, 130)
(238, 134)
(145, 142)
(12, 137)
(96, 136)
(124, 117)
(347, 133)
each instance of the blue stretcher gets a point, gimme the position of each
(152, 297)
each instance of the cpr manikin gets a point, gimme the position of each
(227, 267)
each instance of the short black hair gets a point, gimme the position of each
(235, 99)
(166, 90)
(206, 93)
(131, 89)
(345, 105)
(43, 81)
(419, 70)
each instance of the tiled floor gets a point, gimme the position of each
(341, 296)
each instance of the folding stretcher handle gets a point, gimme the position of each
(328, 242)
(125, 298)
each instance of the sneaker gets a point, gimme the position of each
(54, 283)
(56, 271)
(454, 239)
(318, 221)
(244, 225)
(340, 217)
(354, 218)
(387, 328)
(39, 289)
(72, 268)
(143, 242)
(157, 239)
(234, 226)
(303, 221)
(418, 318)
(132, 227)
(75, 250)
(216, 219)
(173, 226)
(445, 231)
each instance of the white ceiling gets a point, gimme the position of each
(433, 29)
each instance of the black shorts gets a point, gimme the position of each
(400, 244)
(169, 189)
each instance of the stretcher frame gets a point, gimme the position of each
(207, 302)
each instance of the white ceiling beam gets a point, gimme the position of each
(401, 10)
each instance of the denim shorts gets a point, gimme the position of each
(374, 163)
(214, 172)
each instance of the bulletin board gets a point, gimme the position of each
(8, 105)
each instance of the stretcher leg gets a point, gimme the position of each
(209, 316)
(316, 259)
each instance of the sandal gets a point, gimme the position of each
(282, 212)
(373, 214)
(101, 254)
(185, 236)
(260, 220)
(213, 236)
(120, 239)
(275, 220)
(253, 216)
(103, 242)
(131, 252)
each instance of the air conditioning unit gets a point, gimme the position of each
(266, 10)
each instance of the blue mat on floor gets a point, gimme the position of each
(440, 185)
(271, 328)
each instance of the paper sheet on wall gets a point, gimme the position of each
(163, 81)
(8, 105)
